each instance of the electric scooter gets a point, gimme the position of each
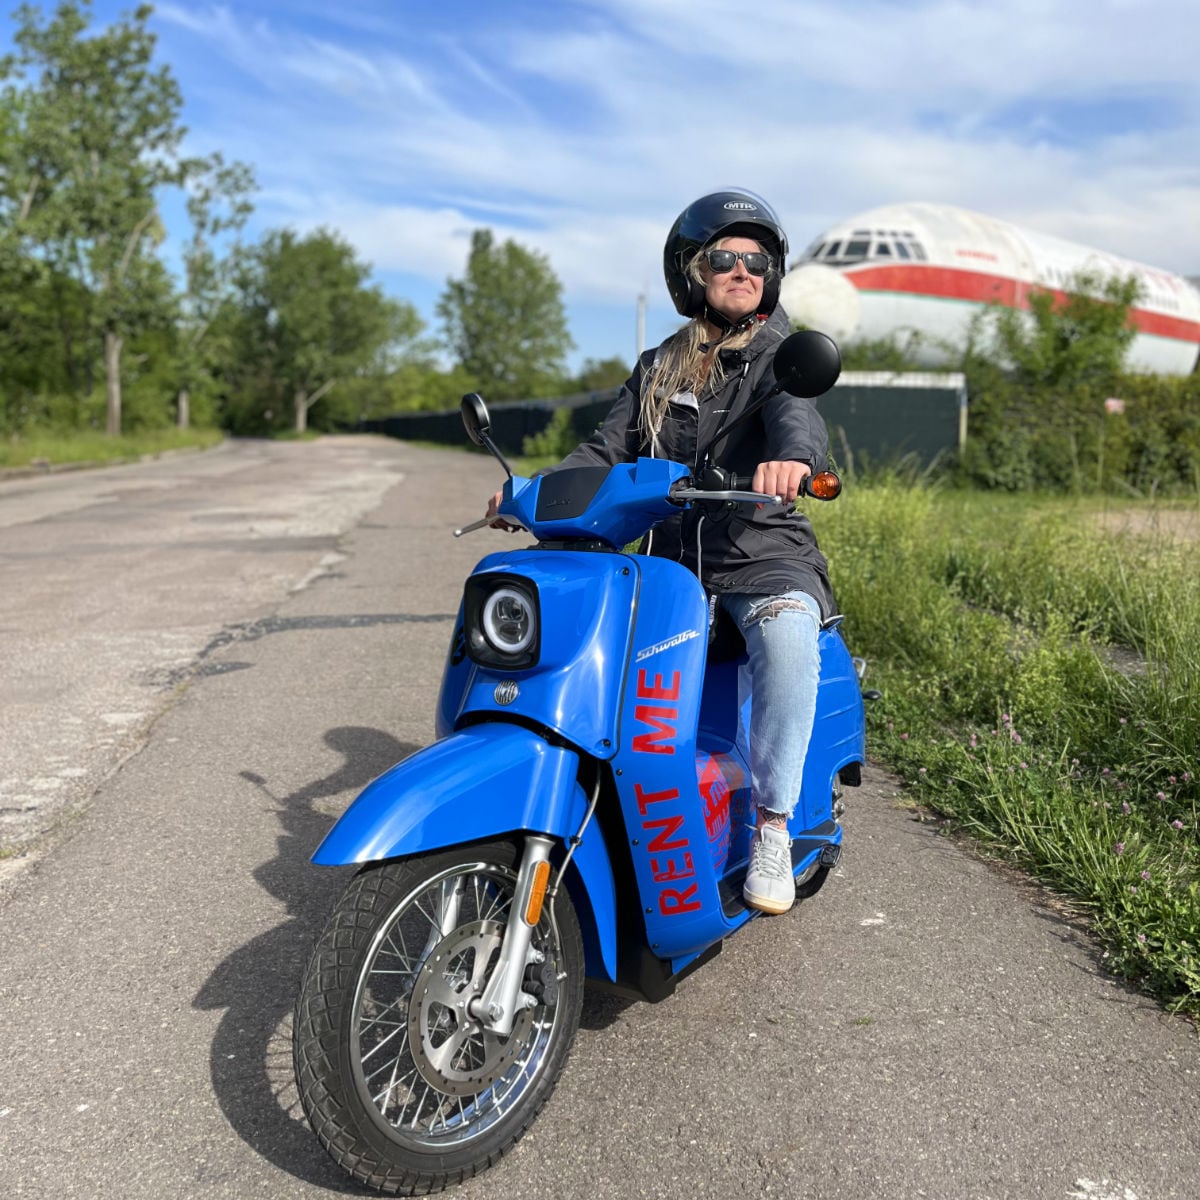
(583, 816)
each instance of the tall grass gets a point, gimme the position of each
(1041, 681)
(46, 448)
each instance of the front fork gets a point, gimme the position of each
(503, 998)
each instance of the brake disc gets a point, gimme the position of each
(452, 1050)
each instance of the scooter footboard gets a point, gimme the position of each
(486, 781)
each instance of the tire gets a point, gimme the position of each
(811, 882)
(405, 1091)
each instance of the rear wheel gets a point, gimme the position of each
(403, 1087)
(811, 881)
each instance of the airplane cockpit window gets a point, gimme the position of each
(865, 244)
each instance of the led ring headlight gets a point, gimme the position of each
(508, 622)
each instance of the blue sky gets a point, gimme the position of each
(580, 128)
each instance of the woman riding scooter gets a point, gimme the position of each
(723, 260)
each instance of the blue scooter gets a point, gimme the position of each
(584, 814)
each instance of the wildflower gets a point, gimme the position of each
(974, 741)
(1133, 888)
(1024, 766)
(1124, 722)
(1125, 807)
(1106, 771)
(1160, 795)
(1016, 737)
(891, 726)
(1177, 824)
(1142, 938)
(1171, 779)
(1074, 762)
(1187, 777)
(1005, 718)
(921, 771)
(1145, 874)
(1119, 848)
(904, 737)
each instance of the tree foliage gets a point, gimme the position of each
(93, 135)
(596, 375)
(1039, 384)
(505, 323)
(309, 320)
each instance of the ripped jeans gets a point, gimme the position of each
(785, 666)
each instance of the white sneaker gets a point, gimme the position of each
(769, 884)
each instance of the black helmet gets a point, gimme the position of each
(731, 213)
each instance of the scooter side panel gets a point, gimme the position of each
(838, 736)
(488, 781)
(655, 764)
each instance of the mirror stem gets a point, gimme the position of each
(491, 446)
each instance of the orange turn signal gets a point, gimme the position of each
(537, 893)
(825, 485)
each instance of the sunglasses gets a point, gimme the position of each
(722, 261)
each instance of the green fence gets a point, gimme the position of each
(873, 417)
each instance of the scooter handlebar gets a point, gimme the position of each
(688, 495)
(725, 485)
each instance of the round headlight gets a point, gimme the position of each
(508, 620)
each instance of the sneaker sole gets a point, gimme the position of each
(766, 904)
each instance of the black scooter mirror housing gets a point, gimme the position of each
(807, 364)
(475, 417)
(478, 425)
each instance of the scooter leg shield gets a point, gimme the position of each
(483, 782)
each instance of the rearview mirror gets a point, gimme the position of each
(807, 364)
(475, 418)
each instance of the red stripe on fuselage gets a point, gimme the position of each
(978, 287)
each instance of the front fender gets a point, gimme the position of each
(486, 781)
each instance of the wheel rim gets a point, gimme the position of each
(428, 1074)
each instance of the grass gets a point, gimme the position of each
(53, 449)
(1041, 680)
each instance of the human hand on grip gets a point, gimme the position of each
(493, 509)
(780, 479)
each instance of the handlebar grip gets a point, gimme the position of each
(824, 485)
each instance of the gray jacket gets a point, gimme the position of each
(765, 550)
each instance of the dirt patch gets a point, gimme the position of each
(1181, 525)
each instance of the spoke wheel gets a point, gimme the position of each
(401, 1083)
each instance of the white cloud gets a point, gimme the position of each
(581, 130)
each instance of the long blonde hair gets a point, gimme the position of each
(688, 361)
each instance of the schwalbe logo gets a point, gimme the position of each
(741, 205)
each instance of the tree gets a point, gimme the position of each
(218, 205)
(1038, 382)
(94, 136)
(1072, 341)
(505, 322)
(310, 319)
(597, 375)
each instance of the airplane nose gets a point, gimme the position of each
(821, 298)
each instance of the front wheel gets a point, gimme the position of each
(402, 1086)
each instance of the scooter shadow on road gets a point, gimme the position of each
(251, 1054)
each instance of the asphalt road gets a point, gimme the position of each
(925, 1027)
